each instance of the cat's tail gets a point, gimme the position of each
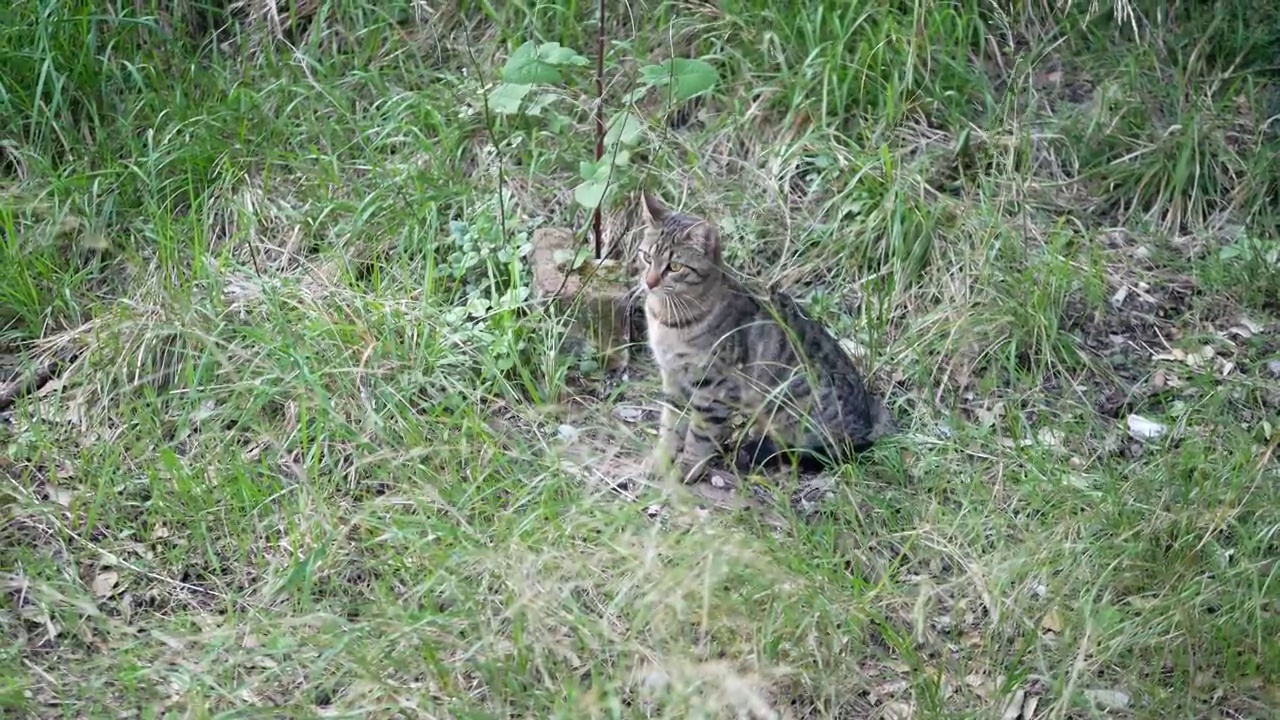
(764, 453)
(882, 422)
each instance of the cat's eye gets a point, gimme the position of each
(674, 266)
(644, 256)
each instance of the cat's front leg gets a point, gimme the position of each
(709, 428)
(672, 427)
(671, 434)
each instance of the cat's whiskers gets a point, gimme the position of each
(633, 294)
(679, 310)
(671, 308)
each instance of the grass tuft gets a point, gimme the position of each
(297, 438)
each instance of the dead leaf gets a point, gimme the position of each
(1029, 708)
(69, 224)
(1050, 437)
(1108, 699)
(1174, 355)
(887, 689)
(263, 661)
(1013, 708)
(1246, 329)
(981, 686)
(95, 241)
(898, 711)
(854, 348)
(62, 496)
(1200, 357)
(1052, 621)
(105, 582)
(629, 413)
(988, 418)
(1118, 299)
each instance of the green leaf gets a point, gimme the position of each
(590, 193)
(624, 128)
(687, 77)
(596, 177)
(478, 306)
(525, 67)
(541, 103)
(635, 95)
(505, 98)
(655, 74)
(570, 259)
(532, 63)
(553, 53)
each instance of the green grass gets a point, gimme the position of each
(317, 455)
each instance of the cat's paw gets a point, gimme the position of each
(660, 464)
(692, 469)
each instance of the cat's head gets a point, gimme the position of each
(679, 253)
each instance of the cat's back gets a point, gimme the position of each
(797, 352)
(782, 333)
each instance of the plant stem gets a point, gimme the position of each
(597, 222)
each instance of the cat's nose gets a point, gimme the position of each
(651, 280)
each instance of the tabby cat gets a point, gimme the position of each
(724, 351)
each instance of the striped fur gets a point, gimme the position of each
(727, 354)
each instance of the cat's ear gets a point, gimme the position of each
(707, 236)
(654, 211)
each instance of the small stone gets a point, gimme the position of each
(1273, 366)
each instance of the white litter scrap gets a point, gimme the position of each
(1141, 428)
